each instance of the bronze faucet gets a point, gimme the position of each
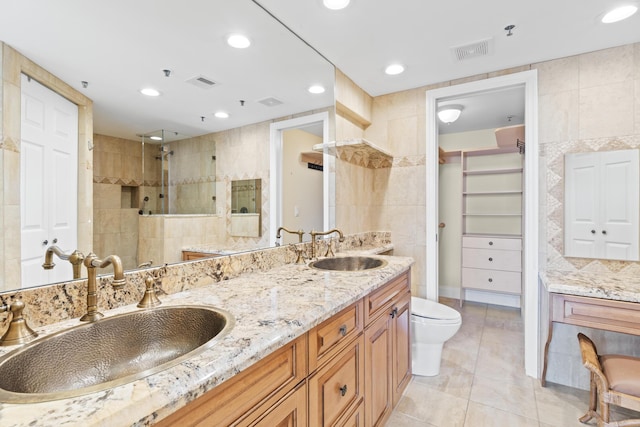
(299, 233)
(324, 233)
(75, 258)
(149, 299)
(18, 331)
(92, 262)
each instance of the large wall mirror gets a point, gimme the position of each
(255, 90)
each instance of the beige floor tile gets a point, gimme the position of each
(459, 358)
(560, 406)
(479, 415)
(506, 396)
(432, 406)
(398, 419)
(453, 381)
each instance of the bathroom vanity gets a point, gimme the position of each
(308, 346)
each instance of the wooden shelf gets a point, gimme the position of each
(492, 171)
(352, 116)
(491, 214)
(492, 193)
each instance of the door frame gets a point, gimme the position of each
(530, 306)
(275, 168)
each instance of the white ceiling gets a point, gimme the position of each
(120, 46)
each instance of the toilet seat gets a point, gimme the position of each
(428, 310)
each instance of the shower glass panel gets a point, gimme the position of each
(178, 174)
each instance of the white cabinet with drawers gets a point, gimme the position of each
(492, 264)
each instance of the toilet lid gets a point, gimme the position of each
(432, 310)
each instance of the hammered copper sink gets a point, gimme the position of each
(110, 352)
(348, 263)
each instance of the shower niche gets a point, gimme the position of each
(246, 200)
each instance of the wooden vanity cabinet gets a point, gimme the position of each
(387, 349)
(348, 371)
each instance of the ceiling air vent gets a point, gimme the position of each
(473, 50)
(270, 102)
(202, 82)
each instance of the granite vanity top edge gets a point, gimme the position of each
(271, 308)
(609, 286)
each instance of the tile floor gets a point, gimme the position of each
(482, 381)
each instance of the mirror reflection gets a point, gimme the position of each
(146, 200)
(245, 207)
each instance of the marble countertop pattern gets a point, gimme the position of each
(595, 285)
(270, 308)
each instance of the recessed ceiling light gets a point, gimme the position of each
(394, 69)
(449, 113)
(156, 138)
(149, 91)
(316, 89)
(335, 4)
(619, 13)
(221, 115)
(238, 41)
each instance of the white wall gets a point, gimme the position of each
(301, 186)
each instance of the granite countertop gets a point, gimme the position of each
(363, 250)
(270, 308)
(595, 285)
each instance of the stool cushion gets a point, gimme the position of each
(623, 373)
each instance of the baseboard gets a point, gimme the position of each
(493, 298)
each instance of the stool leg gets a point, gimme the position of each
(593, 400)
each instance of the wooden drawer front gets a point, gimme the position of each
(492, 259)
(329, 337)
(514, 244)
(597, 313)
(492, 280)
(290, 412)
(338, 386)
(380, 300)
(258, 387)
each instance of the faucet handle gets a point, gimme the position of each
(18, 331)
(329, 252)
(149, 299)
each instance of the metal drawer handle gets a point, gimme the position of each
(490, 243)
(343, 330)
(394, 312)
(490, 280)
(343, 390)
(490, 259)
(604, 231)
(593, 231)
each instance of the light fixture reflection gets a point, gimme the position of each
(394, 69)
(222, 115)
(449, 113)
(316, 89)
(148, 91)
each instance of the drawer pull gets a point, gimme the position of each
(490, 280)
(394, 312)
(490, 243)
(343, 330)
(490, 259)
(593, 231)
(343, 390)
(604, 231)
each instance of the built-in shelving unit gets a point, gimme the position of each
(492, 214)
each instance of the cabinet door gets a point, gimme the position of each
(601, 205)
(401, 347)
(378, 380)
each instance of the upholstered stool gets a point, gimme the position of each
(615, 379)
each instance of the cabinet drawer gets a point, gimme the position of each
(380, 300)
(338, 386)
(492, 259)
(609, 315)
(290, 412)
(492, 280)
(492, 243)
(329, 337)
(253, 390)
(355, 419)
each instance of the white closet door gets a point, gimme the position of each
(49, 180)
(601, 205)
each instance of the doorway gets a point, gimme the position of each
(299, 177)
(528, 80)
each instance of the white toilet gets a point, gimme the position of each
(431, 325)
